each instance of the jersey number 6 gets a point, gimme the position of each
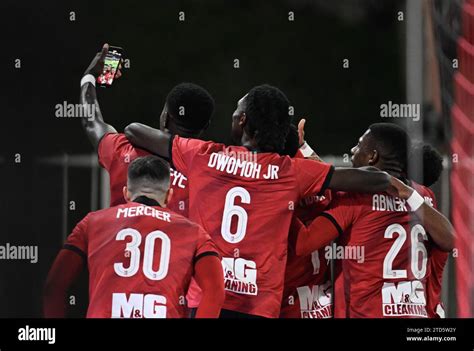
(231, 210)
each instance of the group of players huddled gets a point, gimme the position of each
(260, 228)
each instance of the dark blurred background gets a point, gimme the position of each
(303, 57)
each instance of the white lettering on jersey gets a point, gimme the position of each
(382, 202)
(142, 210)
(178, 179)
(405, 298)
(240, 276)
(237, 166)
(138, 306)
(316, 300)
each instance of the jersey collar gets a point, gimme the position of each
(142, 199)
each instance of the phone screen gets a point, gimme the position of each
(111, 66)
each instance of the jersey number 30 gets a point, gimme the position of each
(133, 251)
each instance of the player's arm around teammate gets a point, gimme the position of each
(342, 179)
(324, 229)
(436, 224)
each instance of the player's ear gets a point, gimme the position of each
(373, 158)
(169, 195)
(242, 120)
(164, 118)
(126, 194)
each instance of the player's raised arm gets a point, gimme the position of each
(94, 126)
(148, 138)
(64, 272)
(359, 180)
(437, 225)
(306, 150)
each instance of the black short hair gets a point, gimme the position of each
(432, 163)
(292, 143)
(267, 111)
(190, 106)
(392, 143)
(150, 170)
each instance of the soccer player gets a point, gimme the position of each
(245, 195)
(141, 256)
(307, 291)
(394, 233)
(432, 168)
(187, 112)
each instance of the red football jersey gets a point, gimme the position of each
(385, 258)
(434, 282)
(140, 259)
(246, 201)
(116, 153)
(307, 291)
(338, 292)
(437, 262)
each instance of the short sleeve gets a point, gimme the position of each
(312, 177)
(77, 240)
(183, 151)
(108, 148)
(205, 246)
(342, 211)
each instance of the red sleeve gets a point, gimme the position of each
(298, 154)
(205, 246)
(77, 240)
(312, 177)
(437, 262)
(183, 151)
(63, 273)
(320, 233)
(209, 277)
(342, 211)
(108, 148)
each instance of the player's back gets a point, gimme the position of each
(116, 153)
(140, 260)
(385, 257)
(245, 201)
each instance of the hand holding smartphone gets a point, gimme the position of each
(112, 64)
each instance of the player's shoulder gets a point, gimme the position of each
(306, 164)
(197, 144)
(114, 138)
(178, 219)
(99, 215)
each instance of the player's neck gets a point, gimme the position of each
(249, 143)
(147, 199)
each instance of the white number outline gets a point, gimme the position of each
(231, 210)
(133, 247)
(417, 247)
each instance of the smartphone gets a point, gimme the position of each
(111, 65)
